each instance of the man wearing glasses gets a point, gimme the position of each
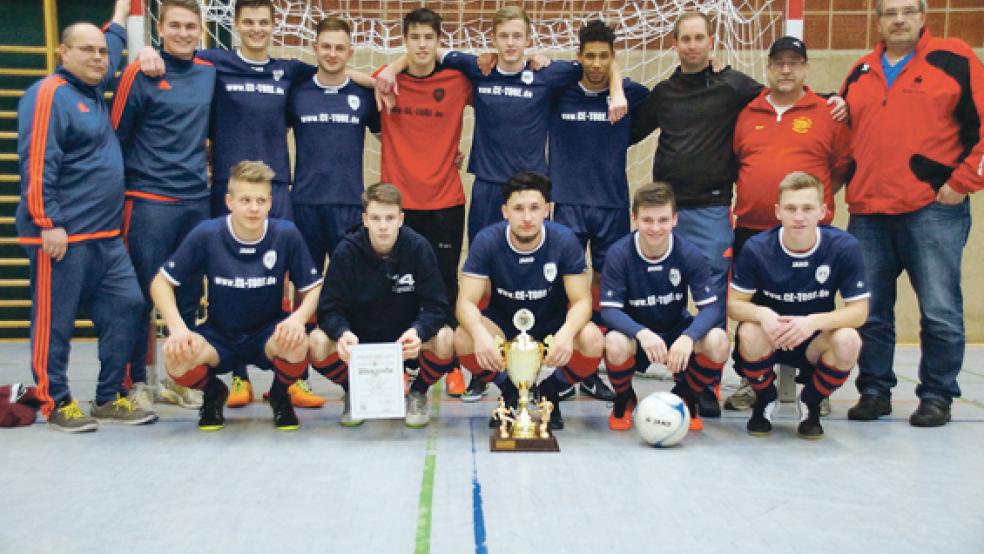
(917, 103)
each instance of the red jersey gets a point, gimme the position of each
(420, 139)
(769, 146)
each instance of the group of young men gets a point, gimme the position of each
(393, 249)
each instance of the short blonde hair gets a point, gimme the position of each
(800, 180)
(510, 13)
(249, 171)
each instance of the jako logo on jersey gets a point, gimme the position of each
(822, 273)
(438, 94)
(675, 277)
(269, 259)
(164, 85)
(802, 125)
(82, 107)
(526, 77)
(550, 271)
(354, 102)
(278, 74)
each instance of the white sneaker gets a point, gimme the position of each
(825, 406)
(141, 396)
(173, 393)
(742, 399)
(418, 410)
(656, 371)
(347, 420)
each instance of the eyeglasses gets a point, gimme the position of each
(906, 13)
(90, 50)
(778, 65)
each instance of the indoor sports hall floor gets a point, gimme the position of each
(881, 487)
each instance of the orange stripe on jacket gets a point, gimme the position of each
(119, 99)
(39, 146)
(150, 196)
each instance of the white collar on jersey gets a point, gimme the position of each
(543, 238)
(591, 92)
(266, 226)
(249, 61)
(792, 254)
(669, 249)
(329, 88)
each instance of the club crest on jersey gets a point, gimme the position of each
(278, 74)
(802, 125)
(526, 77)
(438, 94)
(675, 277)
(269, 259)
(354, 102)
(823, 272)
(550, 271)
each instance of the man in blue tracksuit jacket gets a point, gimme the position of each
(383, 285)
(68, 221)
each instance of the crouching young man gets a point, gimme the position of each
(784, 285)
(534, 264)
(384, 285)
(245, 256)
(644, 301)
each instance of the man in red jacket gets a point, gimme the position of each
(917, 103)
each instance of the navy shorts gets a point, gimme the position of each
(599, 226)
(241, 350)
(323, 226)
(669, 337)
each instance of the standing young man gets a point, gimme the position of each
(917, 118)
(245, 256)
(162, 124)
(533, 264)
(384, 286)
(68, 221)
(420, 138)
(644, 301)
(783, 290)
(587, 161)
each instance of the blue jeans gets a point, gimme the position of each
(928, 244)
(711, 231)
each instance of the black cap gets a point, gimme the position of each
(788, 43)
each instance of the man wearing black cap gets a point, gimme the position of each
(785, 128)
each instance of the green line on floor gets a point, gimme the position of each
(425, 505)
(977, 403)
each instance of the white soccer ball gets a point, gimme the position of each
(662, 419)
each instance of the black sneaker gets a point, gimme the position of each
(210, 416)
(546, 390)
(870, 407)
(809, 426)
(595, 387)
(475, 391)
(707, 404)
(556, 420)
(566, 393)
(931, 412)
(622, 401)
(284, 418)
(760, 424)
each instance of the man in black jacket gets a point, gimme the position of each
(383, 285)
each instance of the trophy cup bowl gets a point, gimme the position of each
(523, 358)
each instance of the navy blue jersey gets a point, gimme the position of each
(249, 111)
(245, 280)
(654, 292)
(531, 280)
(588, 153)
(805, 283)
(329, 133)
(162, 124)
(511, 115)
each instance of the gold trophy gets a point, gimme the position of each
(523, 431)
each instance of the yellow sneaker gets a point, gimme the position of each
(301, 396)
(241, 393)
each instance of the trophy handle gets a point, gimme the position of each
(500, 344)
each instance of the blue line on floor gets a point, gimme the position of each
(478, 517)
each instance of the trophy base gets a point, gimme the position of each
(498, 444)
